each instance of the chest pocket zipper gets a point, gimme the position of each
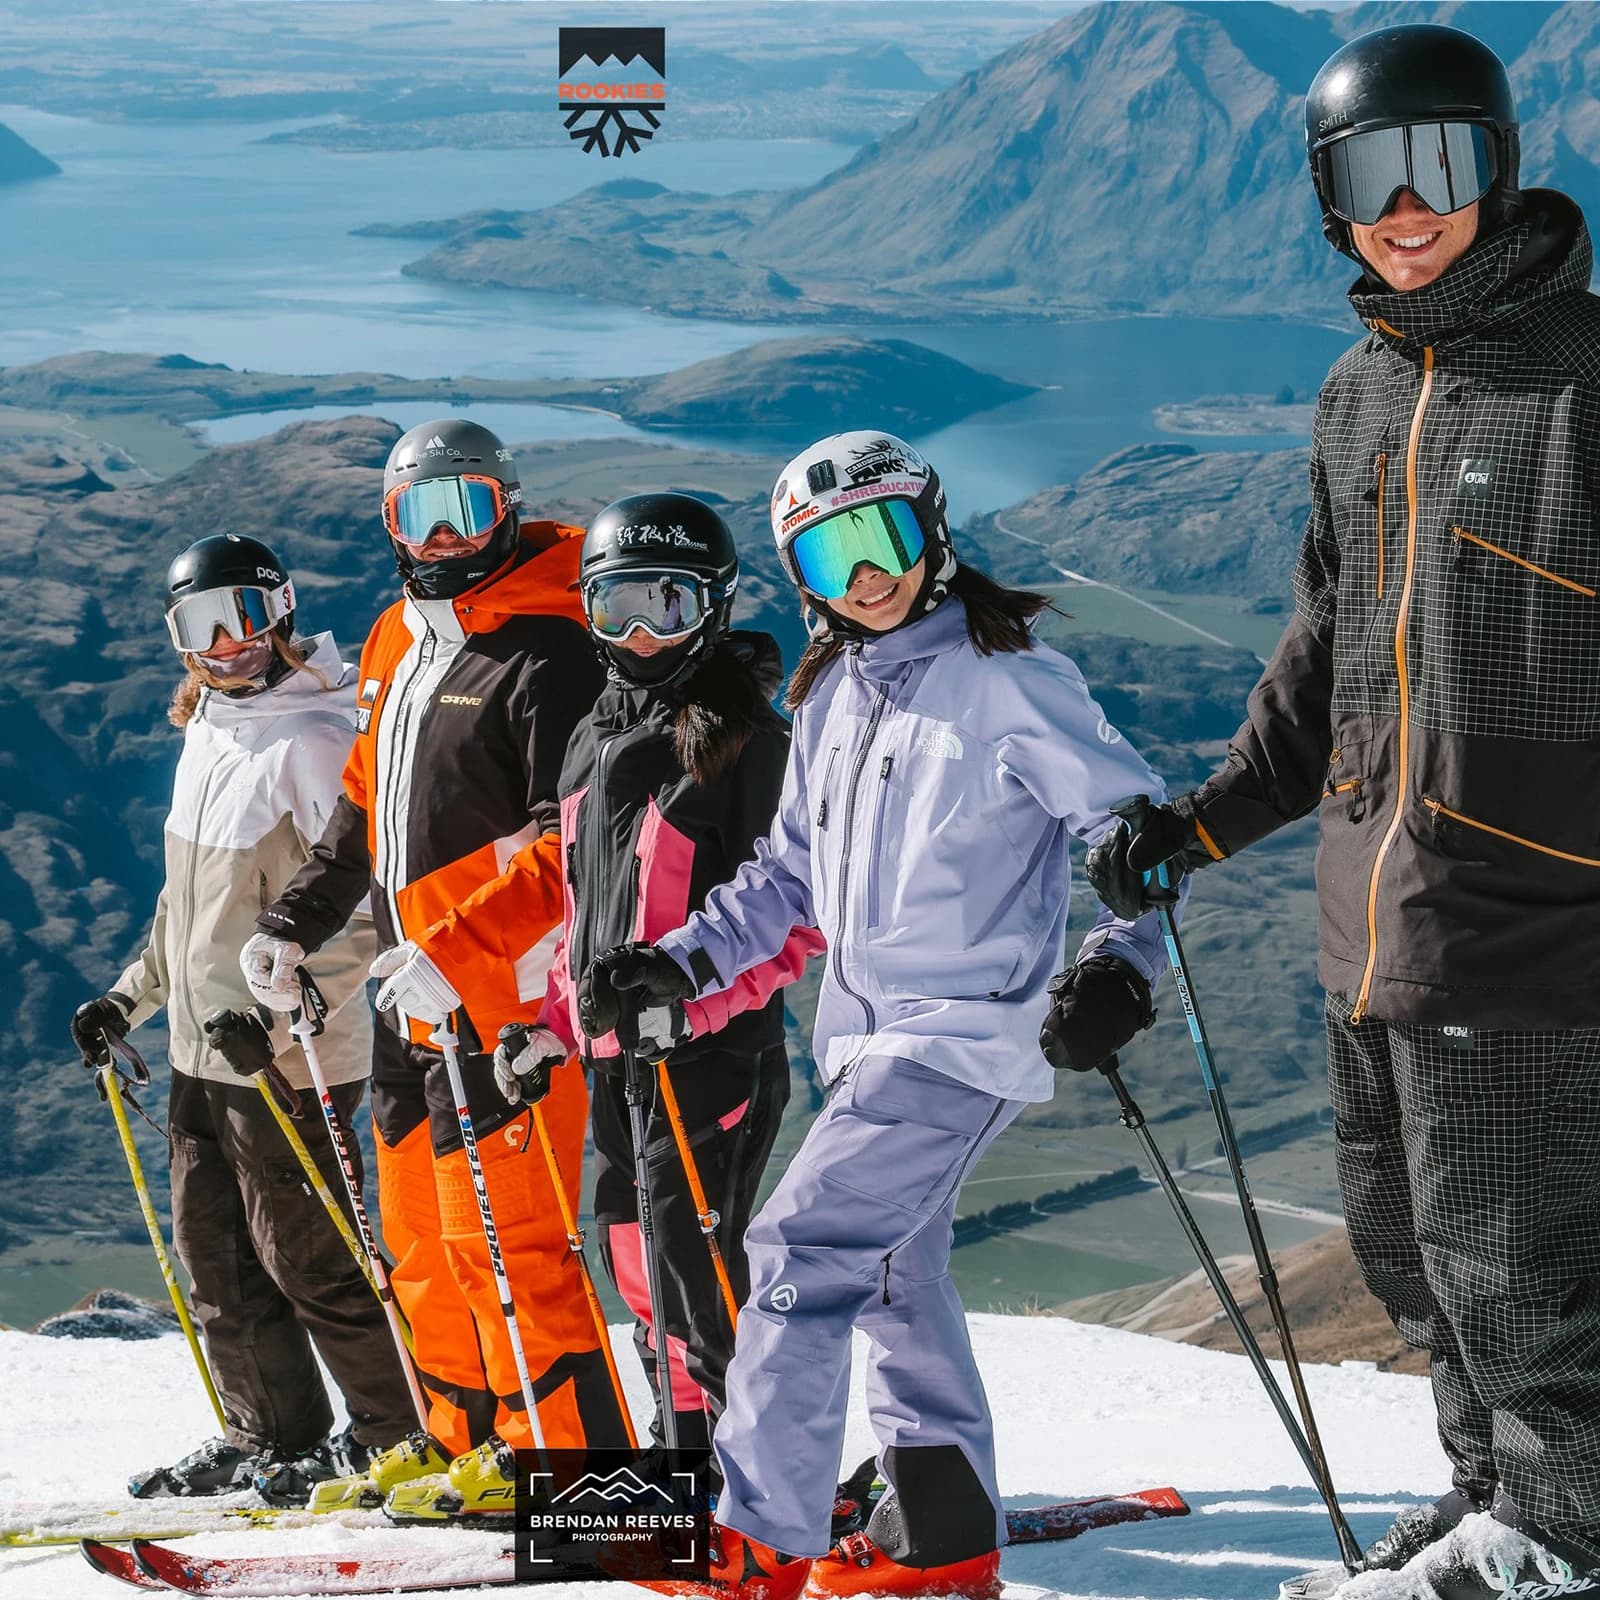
(1380, 467)
(876, 865)
(1459, 533)
(827, 787)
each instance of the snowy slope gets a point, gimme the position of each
(1079, 1410)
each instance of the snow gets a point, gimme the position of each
(1078, 1411)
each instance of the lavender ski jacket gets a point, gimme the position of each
(926, 811)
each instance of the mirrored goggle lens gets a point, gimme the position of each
(469, 506)
(1447, 165)
(885, 533)
(666, 604)
(241, 614)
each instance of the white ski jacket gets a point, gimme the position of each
(255, 785)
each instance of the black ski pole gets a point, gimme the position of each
(1134, 810)
(634, 1091)
(1133, 1119)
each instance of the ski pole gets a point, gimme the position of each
(446, 1040)
(305, 1023)
(1133, 1119)
(709, 1219)
(1134, 810)
(111, 1089)
(634, 1094)
(575, 1240)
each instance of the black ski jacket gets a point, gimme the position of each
(1437, 692)
(643, 843)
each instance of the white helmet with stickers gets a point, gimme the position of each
(822, 536)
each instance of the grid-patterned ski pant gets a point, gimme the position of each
(1470, 1167)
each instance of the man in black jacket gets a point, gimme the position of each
(1437, 695)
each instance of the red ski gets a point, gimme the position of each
(269, 1575)
(116, 1561)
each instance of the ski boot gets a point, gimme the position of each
(482, 1482)
(856, 1566)
(1409, 1535)
(217, 1467)
(1498, 1555)
(290, 1480)
(416, 1456)
(741, 1569)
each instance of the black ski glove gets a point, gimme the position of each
(627, 981)
(523, 1062)
(106, 1014)
(239, 1038)
(1117, 864)
(1097, 1007)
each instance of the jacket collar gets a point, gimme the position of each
(323, 654)
(1498, 280)
(885, 658)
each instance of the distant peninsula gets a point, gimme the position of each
(19, 161)
(800, 383)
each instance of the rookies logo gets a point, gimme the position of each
(606, 114)
(583, 1515)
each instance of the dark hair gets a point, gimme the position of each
(997, 623)
(722, 707)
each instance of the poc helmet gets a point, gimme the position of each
(861, 496)
(1417, 107)
(239, 585)
(456, 475)
(665, 563)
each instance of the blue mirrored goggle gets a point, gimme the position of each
(883, 533)
(470, 506)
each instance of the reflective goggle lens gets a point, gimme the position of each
(665, 604)
(1447, 165)
(469, 506)
(241, 614)
(885, 533)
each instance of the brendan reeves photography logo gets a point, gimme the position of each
(599, 1514)
(608, 112)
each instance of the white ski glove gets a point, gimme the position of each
(524, 1060)
(414, 984)
(268, 964)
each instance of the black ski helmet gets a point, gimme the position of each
(236, 583)
(667, 533)
(1415, 74)
(452, 447)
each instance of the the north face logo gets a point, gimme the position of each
(941, 743)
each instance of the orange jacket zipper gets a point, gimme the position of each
(1440, 809)
(1544, 572)
(1380, 466)
(1413, 442)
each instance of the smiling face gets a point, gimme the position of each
(1411, 246)
(876, 601)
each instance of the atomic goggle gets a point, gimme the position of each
(883, 533)
(667, 605)
(241, 613)
(469, 506)
(1446, 165)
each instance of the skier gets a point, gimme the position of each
(941, 760)
(665, 790)
(470, 687)
(267, 721)
(1445, 648)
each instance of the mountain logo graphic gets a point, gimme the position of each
(435, 443)
(624, 1484)
(602, 115)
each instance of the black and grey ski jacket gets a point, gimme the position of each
(1438, 690)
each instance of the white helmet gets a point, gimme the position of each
(844, 473)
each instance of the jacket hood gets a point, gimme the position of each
(880, 656)
(296, 687)
(542, 581)
(1544, 256)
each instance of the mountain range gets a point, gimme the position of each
(19, 161)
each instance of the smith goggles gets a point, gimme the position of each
(1446, 165)
(469, 505)
(241, 613)
(667, 605)
(884, 533)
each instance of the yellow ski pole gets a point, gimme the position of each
(111, 1088)
(708, 1218)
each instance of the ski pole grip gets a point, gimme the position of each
(135, 1063)
(1133, 810)
(312, 1003)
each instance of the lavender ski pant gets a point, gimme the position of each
(857, 1235)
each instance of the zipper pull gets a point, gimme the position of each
(822, 813)
(886, 1278)
(883, 771)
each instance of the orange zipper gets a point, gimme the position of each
(1380, 466)
(1440, 809)
(1543, 572)
(1413, 442)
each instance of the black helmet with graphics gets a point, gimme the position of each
(864, 496)
(454, 483)
(663, 563)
